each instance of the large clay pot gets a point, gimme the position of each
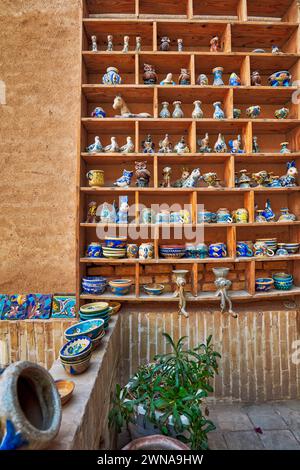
(30, 407)
(156, 442)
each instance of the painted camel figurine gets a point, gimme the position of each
(120, 104)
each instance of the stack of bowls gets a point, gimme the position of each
(96, 310)
(75, 355)
(93, 285)
(172, 251)
(283, 281)
(271, 243)
(291, 248)
(120, 286)
(93, 329)
(115, 247)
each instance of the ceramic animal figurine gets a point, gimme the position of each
(177, 113)
(218, 73)
(244, 180)
(204, 144)
(165, 43)
(168, 80)
(236, 113)
(113, 147)
(184, 175)
(261, 178)
(214, 44)
(275, 181)
(138, 44)
(142, 174)
(166, 177)
(282, 78)
(128, 147)
(286, 215)
(255, 78)
(111, 77)
(218, 113)
(108, 213)
(148, 145)
(184, 77)
(192, 180)
(259, 217)
(284, 147)
(234, 80)
(120, 104)
(275, 50)
(282, 113)
(123, 210)
(290, 178)
(165, 145)
(94, 44)
(126, 44)
(125, 180)
(98, 113)
(202, 80)
(180, 45)
(211, 179)
(255, 146)
(110, 46)
(235, 145)
(165, 113)
(181, 146)
(96, 147)
(197, 112)
(253, 112)
(268, 213)
(149, 76)
(220, 145)
(91, 217)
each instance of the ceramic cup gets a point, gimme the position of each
(217, 250)
(223, 216)
(132, 250)
(206, 217)
(261, 249)
(95, 177)
(148, 216)
(202, 250)
(243, 249)
(146, 251)
(94, 250)
(163, 217)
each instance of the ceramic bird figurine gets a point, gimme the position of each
(148, 145)
(220, 145)
(255, 78)
(125, 180)
(253, 111)
(164, 44)
(180, 45)
(214, 44)
(235, 145)
(113, 147)
(181, 146)
(255, 145)
(128, 147)
(204, 144)
(168, 80)
(96, 147)
(275, 50)
(165, 145)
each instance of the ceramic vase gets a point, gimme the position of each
(111, 77)
(165, 113)
(146, 251)
(218, 74)
(177, 113)
(197, 112)
(284, 147)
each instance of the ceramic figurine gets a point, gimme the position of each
(255, 78)
(184, 77)
(148, 216)
(275, 50)
(204, 144)
(91, 217)
(165, 113)
(220, 146)
(165, 145)
(128, 147)
(284, 147)
(253, 112)
(120, 104)
(166, 177)
(113, 147)
(236, 113)
(259, 217)
(98, 113)
(193, 179)
(149, 76)
(142, 174)
(148, 145)
(268, 213)
(223, 285)
(290, 178)
(184, 176)
(282, 113)
(282, 78)
(218, 113)
(125, 180)
(286, 216)
(211, 179)
(234, 80)
(110, 46)
(275, 182)
(255, 146)
(180, 45)
(126, 44)
(138, 44)
(218, 72)
(164, 43)
(181, 146)
(202, 80)
(123, 210)
(168, 80)
(235, 145)
(197, 112)
(244, 180)
(96, 147)
(261, 178)
(108, 213)
(94, 44)
(111, 77)
(95, 178)
(214, 44)
(177, 113)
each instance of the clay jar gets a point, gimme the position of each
(146, 251)
(149, 76)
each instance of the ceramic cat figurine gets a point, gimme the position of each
(125, 180)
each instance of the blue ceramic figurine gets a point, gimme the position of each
(125, 180)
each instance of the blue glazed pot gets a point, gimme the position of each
(217, 250)
(111, 77)
(94, 250)
(283, 281)
(243, 250)
(117, 242)
(120, 286)
(264, 284)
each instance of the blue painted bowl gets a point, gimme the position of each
(120, 286)
(94, 280)
(96, 342)
(115, 242)
(77, 367)
(154, 289)
(91, 328)
(264, 284)
(283, 281)
(76, 349)
(94, 307)
(93, 290)
(282, 277)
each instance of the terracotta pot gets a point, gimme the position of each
(156, 442)
(30, 411)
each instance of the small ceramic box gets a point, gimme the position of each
(63, 306)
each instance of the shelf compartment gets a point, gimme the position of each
(172, 62)
(267, 64)
(229, 130)
(215, 9)
(237, 275)
(96, 64)
(163, 9)
(105, 129)
(267, 269)
(230, 63)
(107, 8)
(279, 201)
(175, 128)
(265, 9)
(270, 135)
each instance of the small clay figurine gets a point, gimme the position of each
(125, 180)
(235, 145)
(164, 44)
(202, 80)
(275, 50)
(193, 179)
(255, 145)
(128, 147)
(214, 44)
(91, 215)
(234, 80)
(110, 46)
(255, 78)
(184, 77)
(168, 80)
(282, 113)
(253, 112)
(166, 177)
(98, 113)
(197, 112)
(148, 145)
(184, 176)
(181, 146)
(120, 104)
(211, 179)
(138, 44)
(126, 44)
(180, 45)
(96, 147)
(284, 147)
(149, 76)
(165, 145)
(220, 145)
(204, 144)
(123, 210)
(218, 74)
(94, 44)
(113, 147)
(290, 178)
(142, 174)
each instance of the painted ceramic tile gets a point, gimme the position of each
(39, 306)
(15, 308)
(63, 306)
(3, 301)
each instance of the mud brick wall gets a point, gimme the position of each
(206, 276)
(266, 269)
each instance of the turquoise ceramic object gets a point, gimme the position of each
(283, 281)
(202, 250)
(264, 284)
(76, 349)
(91, 328)
(120, 286)
(281, 78)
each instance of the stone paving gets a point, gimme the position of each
(272, 426)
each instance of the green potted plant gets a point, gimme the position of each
(167, 395)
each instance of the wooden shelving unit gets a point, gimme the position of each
(242, 25)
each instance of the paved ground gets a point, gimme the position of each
(248, 427)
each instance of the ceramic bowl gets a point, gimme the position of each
(96, 342)
(283, 281)
(91, 328)
(115, 307)
(94, 280)
(154, 289)
(264, 284)
(76, 349)
(65, 389)
(77, 367)
(115, 242)
(94, 290)
(120, 286)
(94, 307)
(291, 248)
(282, 277)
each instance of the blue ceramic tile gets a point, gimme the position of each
(3, 302)
(39, 306)
(15, 308)
(64, 306)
